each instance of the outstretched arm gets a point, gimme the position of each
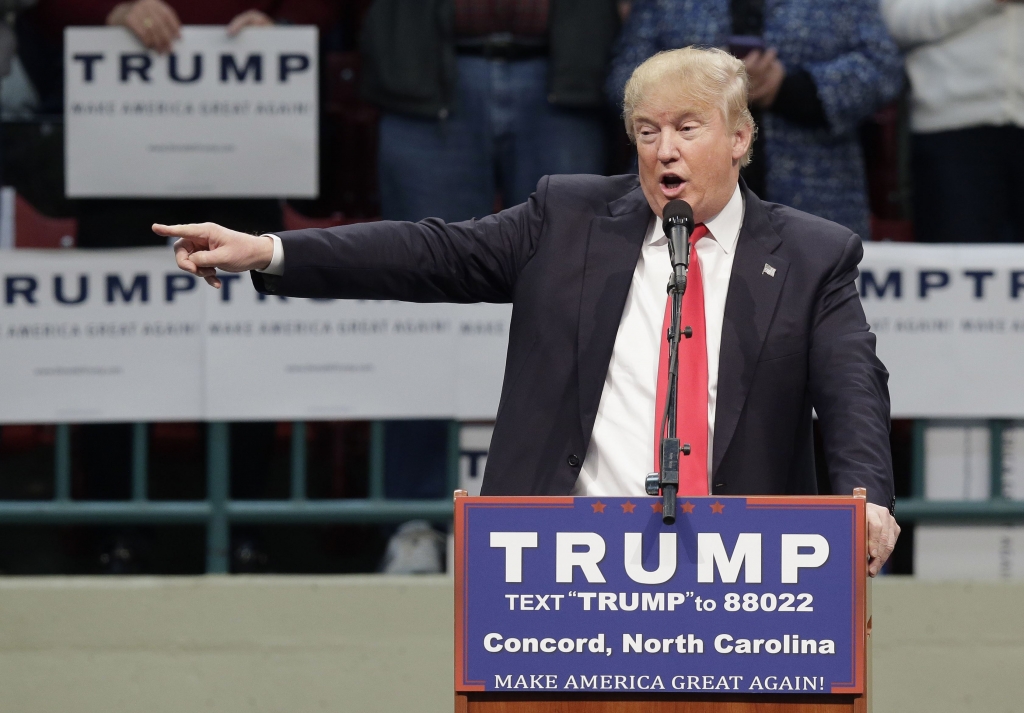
(428, 261)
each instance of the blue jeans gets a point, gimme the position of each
(500, 139)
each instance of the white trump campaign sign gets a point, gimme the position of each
(950, 327)
(324, 359)
(218, 116)
(99, 336)
(124, 335)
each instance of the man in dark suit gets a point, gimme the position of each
(777, 325)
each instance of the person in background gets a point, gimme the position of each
(966, 73)
(126, 223)
(817, 69)
(157, 24)
(479, 100)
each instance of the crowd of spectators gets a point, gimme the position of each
(966, 67)
(479, 98)
(470, 102)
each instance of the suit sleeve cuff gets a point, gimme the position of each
(276, 266)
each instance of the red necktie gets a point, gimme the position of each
(692, 393)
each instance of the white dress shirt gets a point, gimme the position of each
(276, 266)
(621, 451)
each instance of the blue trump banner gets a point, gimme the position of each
(740, 595)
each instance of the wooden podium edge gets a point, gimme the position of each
(862, 704)
(460, 585)
(501, 702)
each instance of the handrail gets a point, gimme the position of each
(184, 512)
(993, 510)
(218, 512)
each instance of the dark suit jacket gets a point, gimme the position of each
(565, 259)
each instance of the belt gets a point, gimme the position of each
(502, 45)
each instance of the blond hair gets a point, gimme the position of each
(706, 76)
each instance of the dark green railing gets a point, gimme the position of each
(997, 509)
(218, 512)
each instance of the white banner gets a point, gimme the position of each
(950, 326)
(123, 336)
(217, 117)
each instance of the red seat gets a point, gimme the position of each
(32, 229)
(294, 220)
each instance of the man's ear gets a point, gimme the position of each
(741, 140)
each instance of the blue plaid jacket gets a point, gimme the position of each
(845, 47)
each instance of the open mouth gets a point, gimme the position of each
(671, 184)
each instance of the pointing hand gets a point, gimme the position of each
(204, 248)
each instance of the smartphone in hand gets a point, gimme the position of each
(742, 45)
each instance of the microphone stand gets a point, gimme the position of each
(667, 481)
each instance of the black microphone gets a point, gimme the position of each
(678, 223)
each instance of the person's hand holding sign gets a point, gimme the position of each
(157, 26)
(203, 248)
(154, 22)
(249, 18)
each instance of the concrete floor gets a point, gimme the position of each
(370, 643)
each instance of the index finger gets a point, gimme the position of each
(193, 231)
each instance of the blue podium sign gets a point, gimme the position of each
(740, 595)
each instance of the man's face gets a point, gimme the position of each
(687, 152)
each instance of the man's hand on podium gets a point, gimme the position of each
(204, 248)
(882, 534)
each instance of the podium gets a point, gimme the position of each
(594, 605)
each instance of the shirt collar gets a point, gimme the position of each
(724, 228)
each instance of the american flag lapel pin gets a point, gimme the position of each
(768, 270)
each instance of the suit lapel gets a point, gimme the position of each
(613, 248)
(749, 308)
